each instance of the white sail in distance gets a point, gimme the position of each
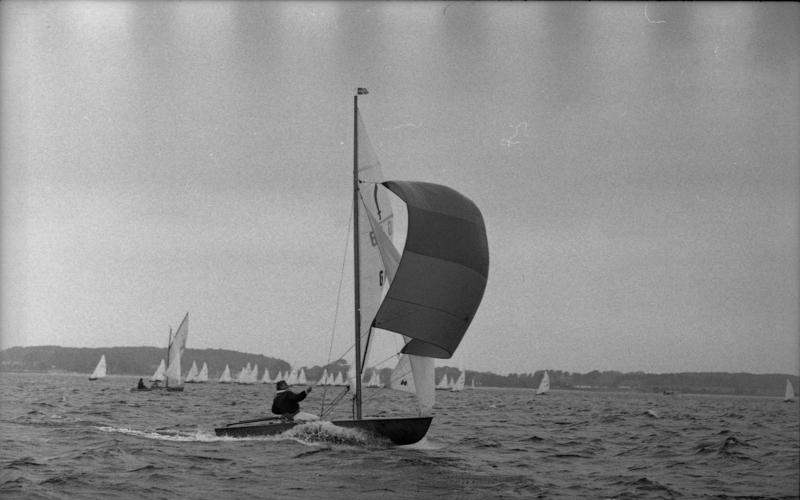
(193, 372)
(225, 378)
(544, 385)
(458, 385)
(159, 373)
(100, 369)
(176, 348)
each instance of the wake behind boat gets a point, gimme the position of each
(430, 291)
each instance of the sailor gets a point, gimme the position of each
(286, 403)
(141, 384)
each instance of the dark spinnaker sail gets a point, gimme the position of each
(442, 273)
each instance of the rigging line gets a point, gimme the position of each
(381, 389)
(379, 363)
(338, 296)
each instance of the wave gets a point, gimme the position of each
(423, 444)
(326, 432)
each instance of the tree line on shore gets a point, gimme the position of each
(142, 361)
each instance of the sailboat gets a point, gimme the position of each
(225, 378)
(202, 377)
(374, 380)
(323, 380)
(100, 369)
(175, 349)
(458, 385)
(428, 293)
(788, 396)
(444, 384)
(159, 373)
(191, 377)
(544, 385)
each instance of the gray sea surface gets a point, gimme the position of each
(65, 437)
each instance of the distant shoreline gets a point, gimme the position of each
(598, 389)
(142, 361)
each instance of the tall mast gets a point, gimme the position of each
(169, 348)
(356, 273)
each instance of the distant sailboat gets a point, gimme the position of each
(203, 375)
(458, 385)
(100, 369)
(191, 377)
(544, 385)
(788, 396)
(431, 298)
(444, 384)
(374, 380)
(225, 378)
(243, 375)
(323, 380)
(177, 345)
(159, 373)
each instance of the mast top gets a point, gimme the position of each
(362, 91)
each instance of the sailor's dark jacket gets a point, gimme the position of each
(286, 402)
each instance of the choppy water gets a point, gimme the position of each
(66, 437)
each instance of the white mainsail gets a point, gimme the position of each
(159, 373)
(789, 393)
(176, 347)
(266, 379)
(301, 377)
(100, 369)
(203, 375)
(225, 378)
(421, 368)
(544, 385)
(419, 381)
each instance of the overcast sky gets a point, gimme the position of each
(637, 166)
